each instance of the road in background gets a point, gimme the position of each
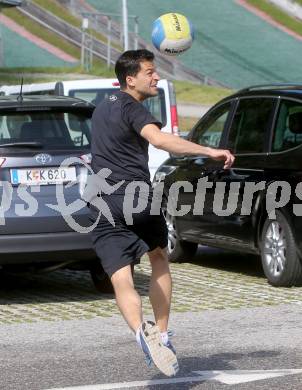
(191, 110)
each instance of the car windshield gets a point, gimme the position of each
(48, 130)
(156, 104)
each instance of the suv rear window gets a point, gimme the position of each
(52, 129)
(156, 105)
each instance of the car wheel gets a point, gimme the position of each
(280, 260)
(100, 279)
(178, 250)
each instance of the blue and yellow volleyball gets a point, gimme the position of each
(172, 34)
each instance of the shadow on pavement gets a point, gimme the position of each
(241, 263)
(217, 362)
(77, 286)
(58, 286)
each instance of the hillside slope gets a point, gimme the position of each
(232, 45)
(23, 49)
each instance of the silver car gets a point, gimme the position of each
(44, 154)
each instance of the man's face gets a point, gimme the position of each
(144, 84)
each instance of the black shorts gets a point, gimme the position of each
(124, 244)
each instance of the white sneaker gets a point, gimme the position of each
(161, 355)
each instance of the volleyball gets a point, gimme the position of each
(172, 34)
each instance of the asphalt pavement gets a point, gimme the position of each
(232, 330)
(101, 353)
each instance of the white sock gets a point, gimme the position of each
(137, 336)
(164, 337)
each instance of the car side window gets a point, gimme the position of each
(288, 129)
(250, 124)
(208, 131)
(156, 105)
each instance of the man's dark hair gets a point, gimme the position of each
(128, 64)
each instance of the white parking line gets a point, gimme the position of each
(232, 377)
(127, 385)
(229, 377)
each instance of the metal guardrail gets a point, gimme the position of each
(9, 3)
(169, 67)
(65, 30)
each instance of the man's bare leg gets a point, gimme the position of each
(129, 303)
(160, 290)
(127, 298)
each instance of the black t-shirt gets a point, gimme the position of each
(116, 141)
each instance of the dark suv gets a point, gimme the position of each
(37, 134)
(254, 207)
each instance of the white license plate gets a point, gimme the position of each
(42, 176)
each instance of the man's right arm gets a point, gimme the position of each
(177, 145)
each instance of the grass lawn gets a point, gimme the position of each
(199, 94)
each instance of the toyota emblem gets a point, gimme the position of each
(43, 158)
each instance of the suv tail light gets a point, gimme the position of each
(174, 120)
(173, 109)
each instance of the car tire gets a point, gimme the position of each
(280, 259)
(178, 250)
(100, 279)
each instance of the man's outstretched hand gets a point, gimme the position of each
(222, 155)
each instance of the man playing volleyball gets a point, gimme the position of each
(122, 129)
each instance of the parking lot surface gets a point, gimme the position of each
(212, 280)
